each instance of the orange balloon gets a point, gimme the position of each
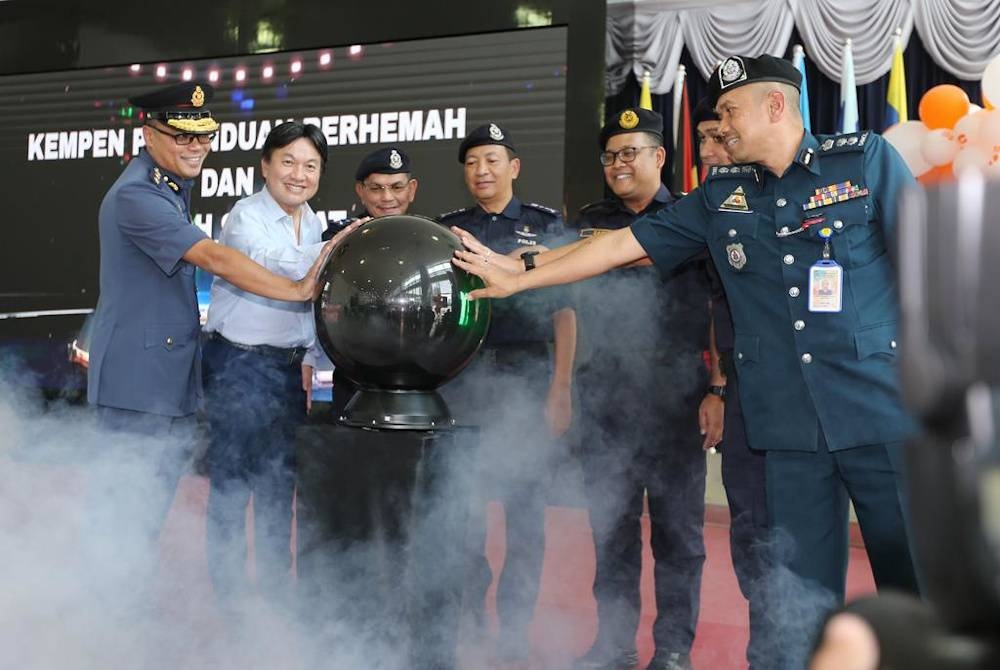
(936, 174)
(943, 105)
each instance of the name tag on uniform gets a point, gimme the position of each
(826, 286)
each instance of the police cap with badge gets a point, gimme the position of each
(489, 133)
(180, 106)
(388, 160)
(632, 120)
(737, 71)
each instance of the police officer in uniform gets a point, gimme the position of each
(817, 372)
(742, 467)
(641, 377)
(385, 186)
(144, 376)
(527, 401)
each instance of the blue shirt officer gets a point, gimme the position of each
(145, 357)
(527, 401)
(640, 378)
(817, 372)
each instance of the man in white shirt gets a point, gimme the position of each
(254, 396)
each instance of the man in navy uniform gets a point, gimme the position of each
(640, 376)
(742, 467)
(528, 402)
(144, 376)
(817, 373)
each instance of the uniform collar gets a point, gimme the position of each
(807, 154)
(512, 211)
(145, 157)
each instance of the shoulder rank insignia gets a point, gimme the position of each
(454, 212)
(156, 175)
(541, 208)
(736, 202)
(174, 186)
(834, 193)
(852, 142)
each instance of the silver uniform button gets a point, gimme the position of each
(799, 325)
(732, 232)
(892, 344)
(169, 341)
(788, 259)
(794, 291)
(838, 224)
(740, 355)
(807, 358)
(781, 202)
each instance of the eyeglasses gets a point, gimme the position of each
(184, 139)
(395, 189)
(626, 154)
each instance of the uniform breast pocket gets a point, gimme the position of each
(857, 235)
(735, 241)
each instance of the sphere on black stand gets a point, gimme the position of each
(394, 315)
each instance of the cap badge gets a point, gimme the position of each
(737, 257)
(198, 97)
(495, 132)
(395, 160)
(628, 119)
(736, 202)
(732, 71)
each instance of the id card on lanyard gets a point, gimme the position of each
(826, 280)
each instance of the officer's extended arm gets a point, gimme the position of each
(589, 257)
(243, 273)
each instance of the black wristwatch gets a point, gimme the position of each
(719, 391)
(529, 260)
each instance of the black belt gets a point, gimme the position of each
(291, 355)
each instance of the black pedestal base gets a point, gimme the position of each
(397, 410)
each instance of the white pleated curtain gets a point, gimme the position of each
(961, 36)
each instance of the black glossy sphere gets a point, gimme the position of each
(393, 311)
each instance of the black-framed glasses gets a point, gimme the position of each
(377, 189)
(626, 154)
(184, 139)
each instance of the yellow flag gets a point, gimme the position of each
(895, 109)
(645, 98)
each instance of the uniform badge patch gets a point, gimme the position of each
(737, 257)
(198, 97)
(736, 202)
(395, 160)
(628, 119)
(495, 132)
(732, 71)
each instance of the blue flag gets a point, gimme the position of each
(799, 61)
(848, 93)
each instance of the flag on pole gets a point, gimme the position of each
(799, 61)
(895, 99)
(683, 171)
(645, 97)
(848, 93)
(678, 99)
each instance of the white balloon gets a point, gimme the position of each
(991, 81)
(968, 127)
(939, 147)
(906, 138)
(970, 158)
(989, 129)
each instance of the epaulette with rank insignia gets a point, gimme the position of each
(541, 208)
(596, 207)
(454, 212)
(841, 143)
(158, 178)
(733, 172)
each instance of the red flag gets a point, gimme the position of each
(684, 177)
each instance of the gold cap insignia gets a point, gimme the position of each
(628, 119)
(198, 97)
